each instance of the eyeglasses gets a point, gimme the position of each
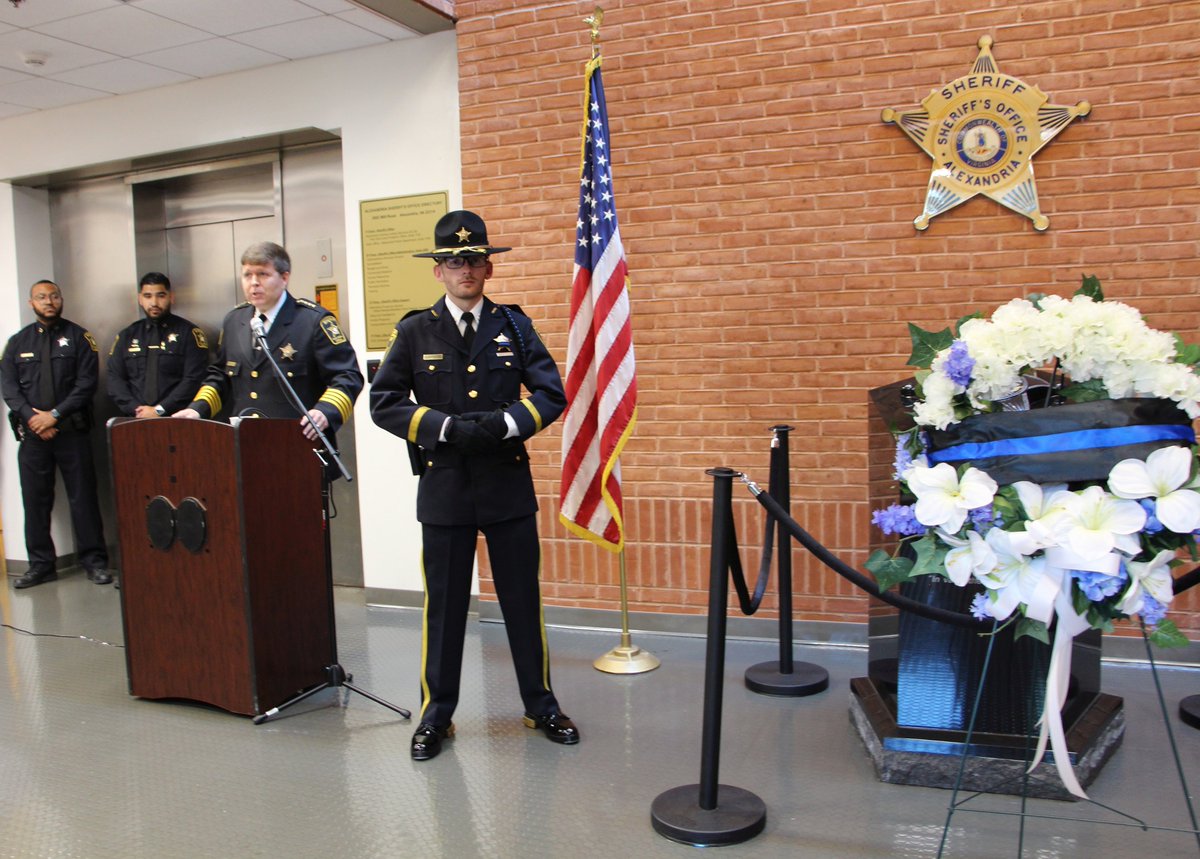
(459, 262)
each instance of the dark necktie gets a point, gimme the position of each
(468, 319)
(46, 373)
(150, 391)
(262, 317)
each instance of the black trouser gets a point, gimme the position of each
(71, 453)
(447, 557)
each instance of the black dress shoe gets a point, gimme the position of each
(35, 577)
(427, 741)
(557, 727)
(99, 577)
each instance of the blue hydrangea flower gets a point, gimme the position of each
(985, 518)
(979, 607)
(1097, 586)
(1152, 610)
(959, 364)
(899, 519)
(903, 459)
(1152, 526)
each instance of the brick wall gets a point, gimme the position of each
(767, 213)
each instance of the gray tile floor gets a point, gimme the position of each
(87, 771)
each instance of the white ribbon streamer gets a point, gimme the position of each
(1052, 597)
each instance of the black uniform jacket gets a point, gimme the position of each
(427, 361)
(76, 369)
(309, 347)
(182, 361)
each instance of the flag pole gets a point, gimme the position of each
(627, 657)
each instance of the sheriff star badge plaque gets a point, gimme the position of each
(982, 131)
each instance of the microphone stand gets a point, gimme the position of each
(335, 676)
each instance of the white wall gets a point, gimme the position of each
(396, 109)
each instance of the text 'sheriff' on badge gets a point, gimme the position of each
(982, 131)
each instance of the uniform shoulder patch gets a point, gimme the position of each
(201, 340)
(91, 341)
(329, 325)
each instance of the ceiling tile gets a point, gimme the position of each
(60, 56)
(13, 110)
(377, 24)
(211, 57)
(225, 17)
(43, 93)
(330, 7)
(122, 76)
(310, 38)
(123, 31)
(34, 12)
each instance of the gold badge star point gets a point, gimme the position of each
(172, 337)
(287, 351)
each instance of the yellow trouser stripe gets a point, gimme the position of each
(425, 696)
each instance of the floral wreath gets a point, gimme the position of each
(1084, 553)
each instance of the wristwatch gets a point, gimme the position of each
(54, 414)
(160, 411)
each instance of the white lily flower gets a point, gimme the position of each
(1014, 575)
(1045, 506)
(1096, 523)
(943, 500)
(1162, 477)
(1153, 578)
(975, 558)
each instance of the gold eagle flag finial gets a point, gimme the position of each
(594, 21)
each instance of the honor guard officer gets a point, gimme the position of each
(304, 339)
(157, 363)
(464, 361)
(49, 373)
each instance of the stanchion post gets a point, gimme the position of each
(710, 814)
(786, 677)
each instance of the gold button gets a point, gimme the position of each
(472, 394)
(432, 368)
(508, 363)
(289, 374)
(470, 368)
(254, 374)
(254, 395)
(429, 464)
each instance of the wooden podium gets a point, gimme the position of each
(236, 611)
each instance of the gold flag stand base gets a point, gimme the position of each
(628, 658)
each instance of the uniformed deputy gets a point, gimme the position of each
(49, 373)
(156, 364)
(464, 361)
(304, 339)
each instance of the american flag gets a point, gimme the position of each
(601, 381)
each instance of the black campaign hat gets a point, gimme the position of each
(461, 233)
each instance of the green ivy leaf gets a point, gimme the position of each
(1091, 288)
(1167, 634)
(1086, 392)
(888, 571)
(958, 325)
(1032, 628)
(1186, 353)
(926, 344)
(931, 556)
